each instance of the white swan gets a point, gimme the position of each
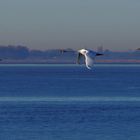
(89, 57)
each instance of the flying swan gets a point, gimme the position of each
(89, 56)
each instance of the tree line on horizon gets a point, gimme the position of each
(23, 52)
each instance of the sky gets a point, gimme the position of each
(53, 24)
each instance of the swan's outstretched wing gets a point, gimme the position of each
(89, 59)
(80, 56)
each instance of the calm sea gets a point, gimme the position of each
(68, 102)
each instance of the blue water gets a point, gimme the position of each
(58, 102)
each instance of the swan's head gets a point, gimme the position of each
(83, 51)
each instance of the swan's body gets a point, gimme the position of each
(89, 57)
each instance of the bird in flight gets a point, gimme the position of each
(89, 56)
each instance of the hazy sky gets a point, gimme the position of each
(43, 24)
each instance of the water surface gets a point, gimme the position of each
(58, 102)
